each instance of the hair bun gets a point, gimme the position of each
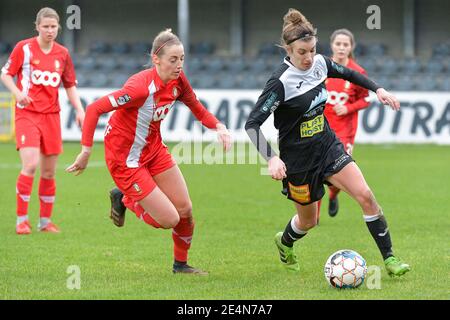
(293, 16)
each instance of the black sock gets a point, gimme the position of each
(179, 263)
(379, 230)
(290, 235)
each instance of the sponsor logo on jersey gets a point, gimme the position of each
(161, 112)
(175, 92)
(57, 64)
(337, 98)
(35, 61)
(271, 103)
(45, 78)
(311, 127)
(301, 193)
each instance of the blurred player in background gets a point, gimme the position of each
(310, 152)
(40, 64)
(345, 99)
(148, 180)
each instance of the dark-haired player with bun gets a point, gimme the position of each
(148, 180)
(310, 152)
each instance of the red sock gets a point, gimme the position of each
(47, 191)
(23, 192)
(182, 237)
(333, 192)
(140, 212)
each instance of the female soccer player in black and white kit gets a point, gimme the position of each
(310, 152)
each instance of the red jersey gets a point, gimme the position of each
(133, 132)
(39, 74)
(352, 96)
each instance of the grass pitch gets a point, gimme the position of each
(237, 213)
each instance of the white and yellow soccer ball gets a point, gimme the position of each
(345, 269)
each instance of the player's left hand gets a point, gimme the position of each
(340, 110)
(388, 98)
(224, 136)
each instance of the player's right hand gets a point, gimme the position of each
(22, 99)
(80, 162)
(277, 168)
(388, 98)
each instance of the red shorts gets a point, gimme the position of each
(40, 130)
(137, 183)
(348, 143)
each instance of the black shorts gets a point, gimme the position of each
(307, 187)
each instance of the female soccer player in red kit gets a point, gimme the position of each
(149, 181)
(345, 99)
(40, 64)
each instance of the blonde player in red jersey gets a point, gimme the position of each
(345, 99)
(148, 180)
(40, 64)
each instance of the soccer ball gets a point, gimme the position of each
(345, 269)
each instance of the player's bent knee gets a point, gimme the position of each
(169, 222)
(185, 210)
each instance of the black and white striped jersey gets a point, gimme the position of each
(297, 98)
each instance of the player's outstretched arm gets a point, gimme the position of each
(338, 71)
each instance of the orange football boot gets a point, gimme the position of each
(23, 227)
(50, 227)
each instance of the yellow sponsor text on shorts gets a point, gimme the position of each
(301, 193)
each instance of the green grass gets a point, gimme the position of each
(237, 214)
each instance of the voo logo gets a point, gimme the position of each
(337, 98)
(45, 78)
(161, 112)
